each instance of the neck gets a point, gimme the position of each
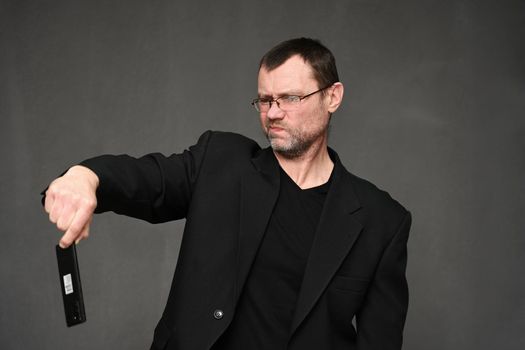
(310, 169)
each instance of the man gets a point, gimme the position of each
(283, 247)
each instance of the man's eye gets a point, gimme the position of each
(291, 99)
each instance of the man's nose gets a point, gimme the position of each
(274, 112)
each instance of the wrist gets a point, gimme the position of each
(86, 173)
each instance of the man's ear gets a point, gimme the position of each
(335, 96)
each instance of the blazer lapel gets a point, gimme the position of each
(335, 236)
(259, 192)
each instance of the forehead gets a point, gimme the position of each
(293, 76)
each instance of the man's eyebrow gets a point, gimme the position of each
(265, 96)
(284, 93)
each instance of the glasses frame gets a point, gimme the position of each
(255, 102)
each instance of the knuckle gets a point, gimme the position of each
(48, 203)
(61, 196)
(51, 189)
(89, 204)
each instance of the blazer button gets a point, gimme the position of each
(218, 314)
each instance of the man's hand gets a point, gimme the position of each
(70, 202)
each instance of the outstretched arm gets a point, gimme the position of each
(154, 188)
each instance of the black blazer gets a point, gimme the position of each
(226, 186)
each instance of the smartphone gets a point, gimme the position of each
(70, 285)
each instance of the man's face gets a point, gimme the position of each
(292, 132)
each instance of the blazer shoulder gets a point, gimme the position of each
(227, 149)
(376, 202)
(228, 141)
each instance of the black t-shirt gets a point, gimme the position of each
(264, 313)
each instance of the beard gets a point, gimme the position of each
(295, 143)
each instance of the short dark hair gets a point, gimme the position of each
(311, 51)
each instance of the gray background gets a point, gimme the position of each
(433, 113)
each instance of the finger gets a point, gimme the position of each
(56, 209)
(71, 235)
(49, 201)
(67, 239)
(85, 232)
(66, 218)
(80, 221)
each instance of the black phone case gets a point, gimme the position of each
(70, 285)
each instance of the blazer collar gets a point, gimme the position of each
(259, 192)
(335, 235)
(265, 162)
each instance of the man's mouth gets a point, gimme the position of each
(275, 128)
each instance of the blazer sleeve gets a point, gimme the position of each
(155, 188)
(381, 319)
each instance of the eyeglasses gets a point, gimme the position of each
(285, 103)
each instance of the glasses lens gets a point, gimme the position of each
(289, 102)
(262, 106)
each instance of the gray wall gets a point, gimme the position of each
(433, 112)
